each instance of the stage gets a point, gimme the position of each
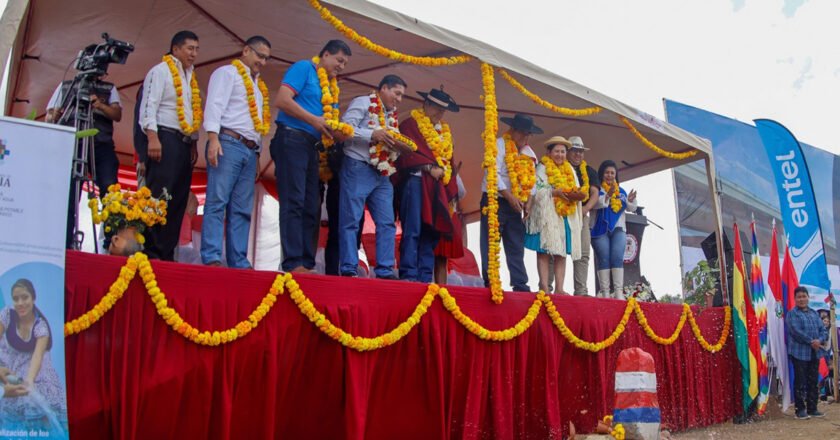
(131, 376)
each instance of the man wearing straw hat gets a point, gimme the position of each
(584, 173)
(511, 208)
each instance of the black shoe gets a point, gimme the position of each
(802, 415)
(389, 277)
(816, 413)
(349, 274)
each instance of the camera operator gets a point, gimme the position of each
(169, 122)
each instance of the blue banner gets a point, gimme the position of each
(797, 203)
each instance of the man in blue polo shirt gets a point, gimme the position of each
(295, 148)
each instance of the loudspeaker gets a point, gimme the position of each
(709, 246)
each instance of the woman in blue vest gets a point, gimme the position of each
(609, 230)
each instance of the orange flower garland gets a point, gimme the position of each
(115, 292)
(640, 316)
(653, 146)
(562, 110)
(263, 126)
(438, 139)
(493, 335)
(520, 170)
(195, 99)
(491, 127)
(385, 52)
(584, 176)
(615, 200)
(724, 334)
(594, 347)
(329, 100)
(562, 178)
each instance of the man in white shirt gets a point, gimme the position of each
(172, 140)
(105, 109)
(234, 143)
(511, 209)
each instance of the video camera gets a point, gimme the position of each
(96, 57)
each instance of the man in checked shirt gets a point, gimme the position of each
(806, 333)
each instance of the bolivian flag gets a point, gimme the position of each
(743, 323)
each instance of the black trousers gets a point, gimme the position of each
(512, 230)
(805, 376)
(173, 172)
(106, 166)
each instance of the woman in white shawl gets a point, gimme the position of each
(554, 222)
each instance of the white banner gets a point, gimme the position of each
(35, 163)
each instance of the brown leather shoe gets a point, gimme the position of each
(300, 269)
(216, 263)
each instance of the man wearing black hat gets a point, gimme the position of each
(425, 185)
(514, 192)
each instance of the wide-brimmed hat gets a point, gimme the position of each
(523, 123)
(441, 98)
(577, 143)
(557, 140)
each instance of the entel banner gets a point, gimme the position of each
(798, 205)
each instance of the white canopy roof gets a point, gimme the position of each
(51, 32)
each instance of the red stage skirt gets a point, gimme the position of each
(130, 376)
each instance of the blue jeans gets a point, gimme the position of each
(418, 242)
(361, 183)
(512, 230)
(230, 199)
(609, 249)
(296, 171)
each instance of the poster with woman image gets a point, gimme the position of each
(35, 161)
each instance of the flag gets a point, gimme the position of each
(760, 307)
(789, 283)
(743, 320)
(776, 320)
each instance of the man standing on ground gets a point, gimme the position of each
(514, 156)
(170, 114)
(237, 115)
(301, 126)
(365, 176)
(806, 333)
(586, 174)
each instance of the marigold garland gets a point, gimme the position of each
(520, 170)
(584, 177)
(556, 109)
(491, 127)
(195, 100)
(618, 432)
(615, 200)
(561, 177)
(329, 100)
(284, 282)
(263, 126)
(373, 47)
(381, 157)
(438, 139)
(652, 146)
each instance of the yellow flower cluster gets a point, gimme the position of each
(562, 110)
(137, 209)
(329, 100)
(615, 200)
(584, 185)
(618, 432)
(385, 52)
(724, 334)
(491, 127)
(562, 178)
(440, 142)
(492, 335)
(402, 138)
(520, 170)
(594, 347)
(652, 146)
(263, 126)
(358, 343)
(197, 114)
(115, 292)
(640, 316)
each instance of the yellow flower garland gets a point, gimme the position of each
(520, 170)
(195, 100)
(562, 178)
(652, 146)
(385, 52)
(284, 282)
(263, 126)
(594, 347)
(584, 176)
(440, 142)
(556, 109)
(491, 127)
(615, 200)
(329, 99)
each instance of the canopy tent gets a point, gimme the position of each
(51, 32)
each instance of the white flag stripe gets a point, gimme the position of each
(635, 381)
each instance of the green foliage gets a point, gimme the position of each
(699, 282)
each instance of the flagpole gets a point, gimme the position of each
(833, 319)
